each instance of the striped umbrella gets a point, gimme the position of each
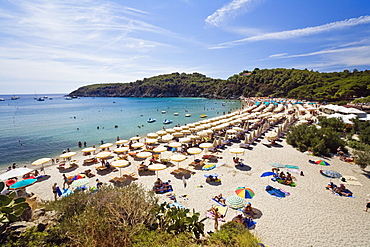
(80, 182)
(245, 192)
(235, 202)
(322, 162)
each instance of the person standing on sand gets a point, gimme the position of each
(65, 181)
(367, 203)
(55, 190)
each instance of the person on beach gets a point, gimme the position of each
(98, 183)
(65, 181)
(55, 191)
(220, 199)
(248, 209)
(367, 203)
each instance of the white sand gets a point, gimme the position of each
(310, 216)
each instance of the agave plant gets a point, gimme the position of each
(11, 208)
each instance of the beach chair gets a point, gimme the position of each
(131, 175)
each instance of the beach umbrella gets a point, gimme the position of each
(121, 149)
(206, 145)
(178, 158)
(202, 134)
(160, 149)
(244, 192)
(88, 150)
(177, 128)
(235, 202)
(152, 135)
(330, 174)
(68, 155)
(135, 138)
(266, 174)
(184, 140)
(161, 133)
(41, 162)
(106, 145)
(103, 155)
(80, 182)
(208, 131)
(322, 162)
(193, 137)
(277, 165)
(231, 131)
(157, 167)
(175, 144)
(22, 184)
(186, 132)
(144, 155)
(236, 151)
(138, 145)
(194, 151)
(167, 138)
(177, 134)
(151, 141)
(17, 172)
(121, 142)
(271, 135)
(170, 131)
(309, 153)
(119, 164)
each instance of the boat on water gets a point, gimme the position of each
(163, 112)
(68, 98)
(167, 121)
(151, 120)
(40, 99)
(176, 114)
(14, 98)
(187, 115)
(2, 99)
(203, 115)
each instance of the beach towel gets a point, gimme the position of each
(294, 171)
(66, 192)
(292, 167)
(276, 192)
(249, 222)
(223, 205)
(352, 182)
(221, 210)
(280, 181)
(59, 192)
(177, 205)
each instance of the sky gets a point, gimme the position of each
(57, 46)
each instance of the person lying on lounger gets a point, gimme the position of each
(341, 190)
(248, 209)
(220, 199)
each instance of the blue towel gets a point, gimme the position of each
(219, 202)
(59, 192)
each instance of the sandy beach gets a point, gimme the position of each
(309, 216)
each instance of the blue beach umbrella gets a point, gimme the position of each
(22, 184)
(266, 174)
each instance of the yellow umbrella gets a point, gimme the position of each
(177, 134)
(160, 149)
(177, 128)
(88, 150)
(178, 158)
(121, 150)
(137, 145)
(144, 155)
(194, 151)
(151, 141)
(161, 133)
(157, 167)
(184, 140)
(103, 155)
(170, 131)
(41, 162)
(205, 145)
(152, 135)
(186, 132)
(236, 151)
(167, 138)
(68, 155)
(174, 144)
(121, 142)
(106, 145)
(135, 138)
(120, 164)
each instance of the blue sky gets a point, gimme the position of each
(56, 46)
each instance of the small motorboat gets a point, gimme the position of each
(203, 115)
(167, 121)
(14, 98)
(176, 114)
(187, 115)
(40, 99)
(163, 112)
(2, 99)
(151, 120)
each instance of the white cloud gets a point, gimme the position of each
(230, 10)
(297, 33)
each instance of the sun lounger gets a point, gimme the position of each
(131, 175)
(223, 205)
(115, 179)
(101, 168)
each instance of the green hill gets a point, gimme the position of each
(292, 83)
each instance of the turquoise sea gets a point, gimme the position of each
(32, 129)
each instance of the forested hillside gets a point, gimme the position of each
(292, 83)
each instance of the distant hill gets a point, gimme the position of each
(292, 83)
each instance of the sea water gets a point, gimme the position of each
(32, 129)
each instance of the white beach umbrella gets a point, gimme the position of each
(144, 155)
(184, 140)
(135, 138)
(167, 138)
(161, 133)
(186, 132)
(152, 135)
(88, 150)
(208, 131)
(157, 167)
(68, 155)
(41, 162)
(119, 164)
(106, 145)
(236, 151)
(177, 134)
(178, 158)
(138, 145)
(17, 172)
(121, 142)
(185, 127)
(193, 137)
(121, 150)
(177, 128)
(160, 149)
(174, 144)
(170, 131)
(103, 155)
(151, 141)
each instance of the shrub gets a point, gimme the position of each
(233, 234)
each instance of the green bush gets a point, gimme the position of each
(233, 234)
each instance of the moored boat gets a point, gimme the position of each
(163, 112)
(167, 121)
(14, 98)
(203, 115)
(176, 114)
(151, 120)
(187, 115)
